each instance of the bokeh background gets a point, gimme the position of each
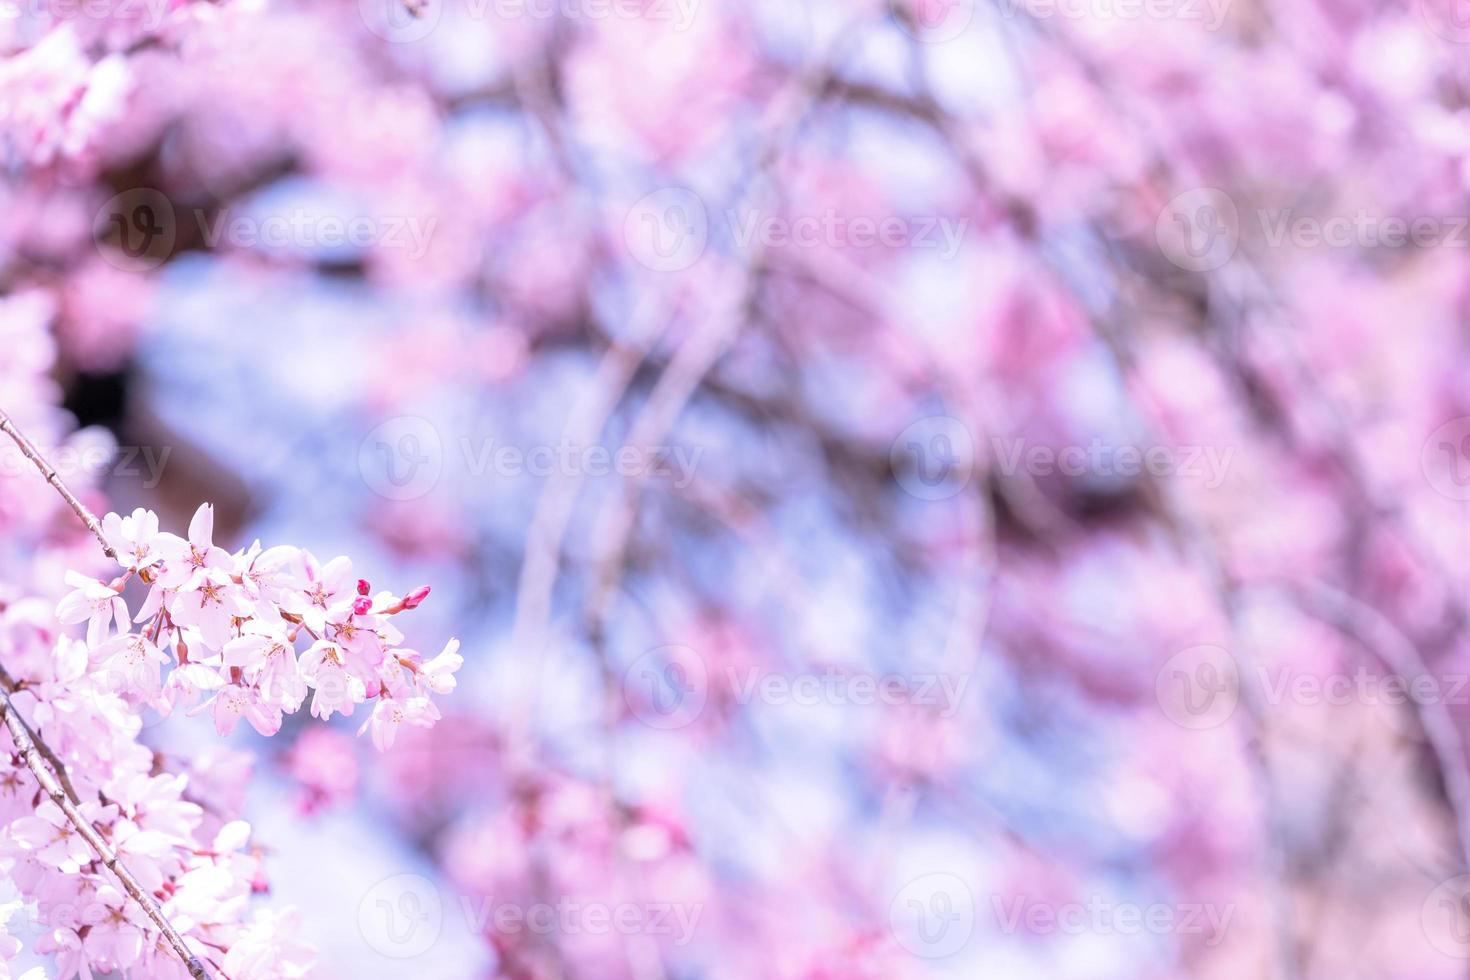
(944, 488)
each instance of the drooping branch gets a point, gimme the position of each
(9, 686)
(30, 452)
(28, 745)
(36, 754)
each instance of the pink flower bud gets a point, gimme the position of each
(364, 587)
(362, 605)
(414, 598)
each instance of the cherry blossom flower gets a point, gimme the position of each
(71, 958)
(320, 589)
(52, 838)
(437, 675)
(133, 663)
(267, 948)
(117, 935)
(135, 538)
(211, 604)
(98, 604)
(389, 713)
(183, 558)
(215, 631)
(234, 702)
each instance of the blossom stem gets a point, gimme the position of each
(30, 452)
(28, 745)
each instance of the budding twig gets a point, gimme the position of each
(37, 753)
(30, 452)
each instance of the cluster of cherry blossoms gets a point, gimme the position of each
(176, 834)
(170, 826)
(228, 628)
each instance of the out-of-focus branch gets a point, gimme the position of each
(1367, 626)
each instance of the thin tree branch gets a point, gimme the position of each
(27, 744)
(30, 452)
(9, 686)
(37, 754)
